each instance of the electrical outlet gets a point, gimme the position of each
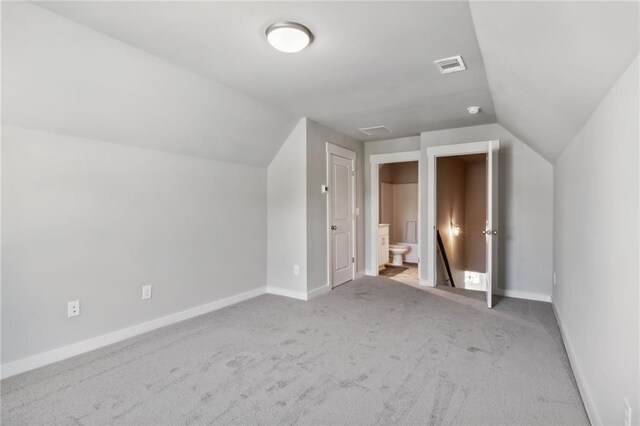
(296, 269)
(73, 308)
(627, 413)
(146, 292)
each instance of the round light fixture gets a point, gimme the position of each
(473, 109)
(288, 37)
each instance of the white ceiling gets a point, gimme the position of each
(371, 63)
(549, 64)
(232, 97)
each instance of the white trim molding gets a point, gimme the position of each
(518, 294)
(59, 354)
(285, 292)
(434, 152)
(318, 292)
(587, 398)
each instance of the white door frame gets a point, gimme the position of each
(351, 155)
(432, 155)
(376, 160)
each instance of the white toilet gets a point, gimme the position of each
(397, 251)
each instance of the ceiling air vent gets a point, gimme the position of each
(449, 65)
(375, 131)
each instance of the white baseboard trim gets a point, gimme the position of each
(517, 294)
(318, 292)
(587, 399)
(279, 291)
(59, 354)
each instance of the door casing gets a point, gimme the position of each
(433, 153)
(332, 149)
(374, 214)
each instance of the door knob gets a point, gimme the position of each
(484, 232)
(495, 232)
(333, 227)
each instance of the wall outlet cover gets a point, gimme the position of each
(73, 308)
(146, 292)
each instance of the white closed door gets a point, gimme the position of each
(491, 230)
(341, 219)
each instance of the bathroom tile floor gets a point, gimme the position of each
(406, 274)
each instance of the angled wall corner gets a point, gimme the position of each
(287, 216)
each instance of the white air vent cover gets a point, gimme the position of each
(449, 65)
(375, 131)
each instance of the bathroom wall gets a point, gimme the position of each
(398, 201)
(450, 206)
(475, 215)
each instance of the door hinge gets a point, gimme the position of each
(353, 172)
(353, 260)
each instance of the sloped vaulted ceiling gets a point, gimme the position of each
(199, 77)
(550, 63)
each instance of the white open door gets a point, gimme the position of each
(341, 216)
(491, 231)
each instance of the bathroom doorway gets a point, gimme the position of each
(395, 217)
(398, 221)
(461, 221)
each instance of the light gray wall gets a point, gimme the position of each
(287, 213)
(525, 208)
(63, 77)
(95, 221)
(317, 137)
(596, 295)
(387, 146)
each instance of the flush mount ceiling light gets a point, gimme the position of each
(288, 37)
(473, 109)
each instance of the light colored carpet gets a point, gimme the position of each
(371, 352)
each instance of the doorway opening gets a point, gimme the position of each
(380, 242)
(398, 200)
(461, 221)
(452, 223)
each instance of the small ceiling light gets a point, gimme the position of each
(473, 109)
(288, 37)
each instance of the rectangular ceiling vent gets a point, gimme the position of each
(449, 65)
(375, 131)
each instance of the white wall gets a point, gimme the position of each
(287, 215)
(89, 220)
(596, 296)
(317, 137)
(63, 77)
(526, 209)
